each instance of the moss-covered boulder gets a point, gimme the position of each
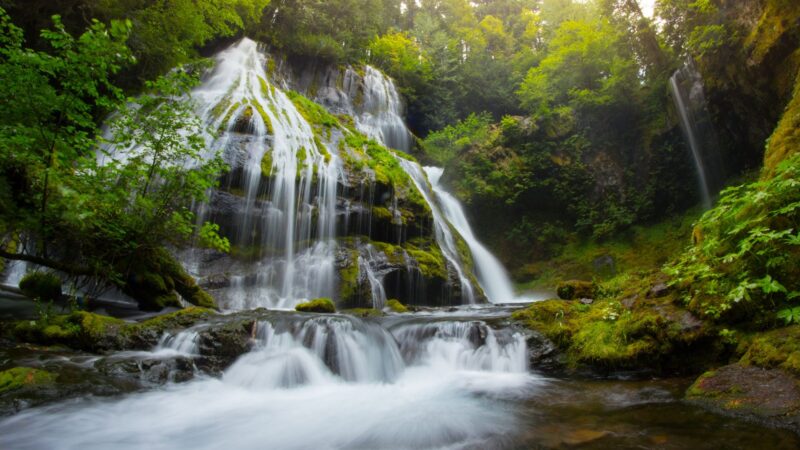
(776, 349)
(395, 306)
(156, 279)
(22, 377)
(771, 396)
(318, 305)
(650, 334)
(97, 333)
(576, 289)
(44, 286)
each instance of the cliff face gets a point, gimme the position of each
(315, 204)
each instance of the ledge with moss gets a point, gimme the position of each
(318, 305)
(97, 333)
(635, 327)
(24, 377)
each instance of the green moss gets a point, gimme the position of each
(314, 114)
(44, 286)
(785, 140)
(575, 289)
(382, 213)
(318, 305)
(775, 349)
(430, 260)
(156, 278)
(266, 163)
(95, 332)
(20, 377)
(396, 306)
(264, 117)
(348, 277)
(606, 334)
(364, 312)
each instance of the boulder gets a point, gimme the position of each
(318, 305)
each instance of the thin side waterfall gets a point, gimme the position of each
(686, 87)
(490, 273)
(289, 218)
(443, 233)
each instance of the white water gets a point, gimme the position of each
(289, 218)
(325, 382)
(490, 273)
(443, 233)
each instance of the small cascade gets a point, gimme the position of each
(370, 262)
(490, 273)
(14, 273)
(463, 345)
(381, 114)
(443, 233)
(318, 351)
(184, 342)
(686, 87)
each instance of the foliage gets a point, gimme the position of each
(93, 206)
(747, 250)
(443, 145)
(42, 286)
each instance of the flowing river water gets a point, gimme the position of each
(436, 379)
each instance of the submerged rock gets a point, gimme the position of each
(771, 396)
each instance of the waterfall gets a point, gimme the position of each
(381, 114)
(686, 87)
(444, 235)
(490, 273)
(287, 177)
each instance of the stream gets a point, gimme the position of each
(437, 379)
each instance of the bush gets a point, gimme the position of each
(43, 286)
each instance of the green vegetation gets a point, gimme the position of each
(395, 305)
(744, 263)
(42, 286)
(20, 377)
(318, 305)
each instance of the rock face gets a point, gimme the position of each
(319, 200)
(764, 395)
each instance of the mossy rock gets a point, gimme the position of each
(21, 377)
(607, 336)
(395, 306)
(775, 349)
(576, 289)
(44, 286)
(97, 333)
(771, 396)
(318, 305)
(156, 279)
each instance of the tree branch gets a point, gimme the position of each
(66, 268)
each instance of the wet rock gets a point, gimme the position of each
(221, 344)
(605, 265)
(216, 281)
(152, 371)
(543, 354)
(659, 290)
(629, 302)
(770, 396)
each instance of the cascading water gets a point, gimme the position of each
(490, 273)
(444, 235)
(315, 382)
(289, 182)
(686, 87)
